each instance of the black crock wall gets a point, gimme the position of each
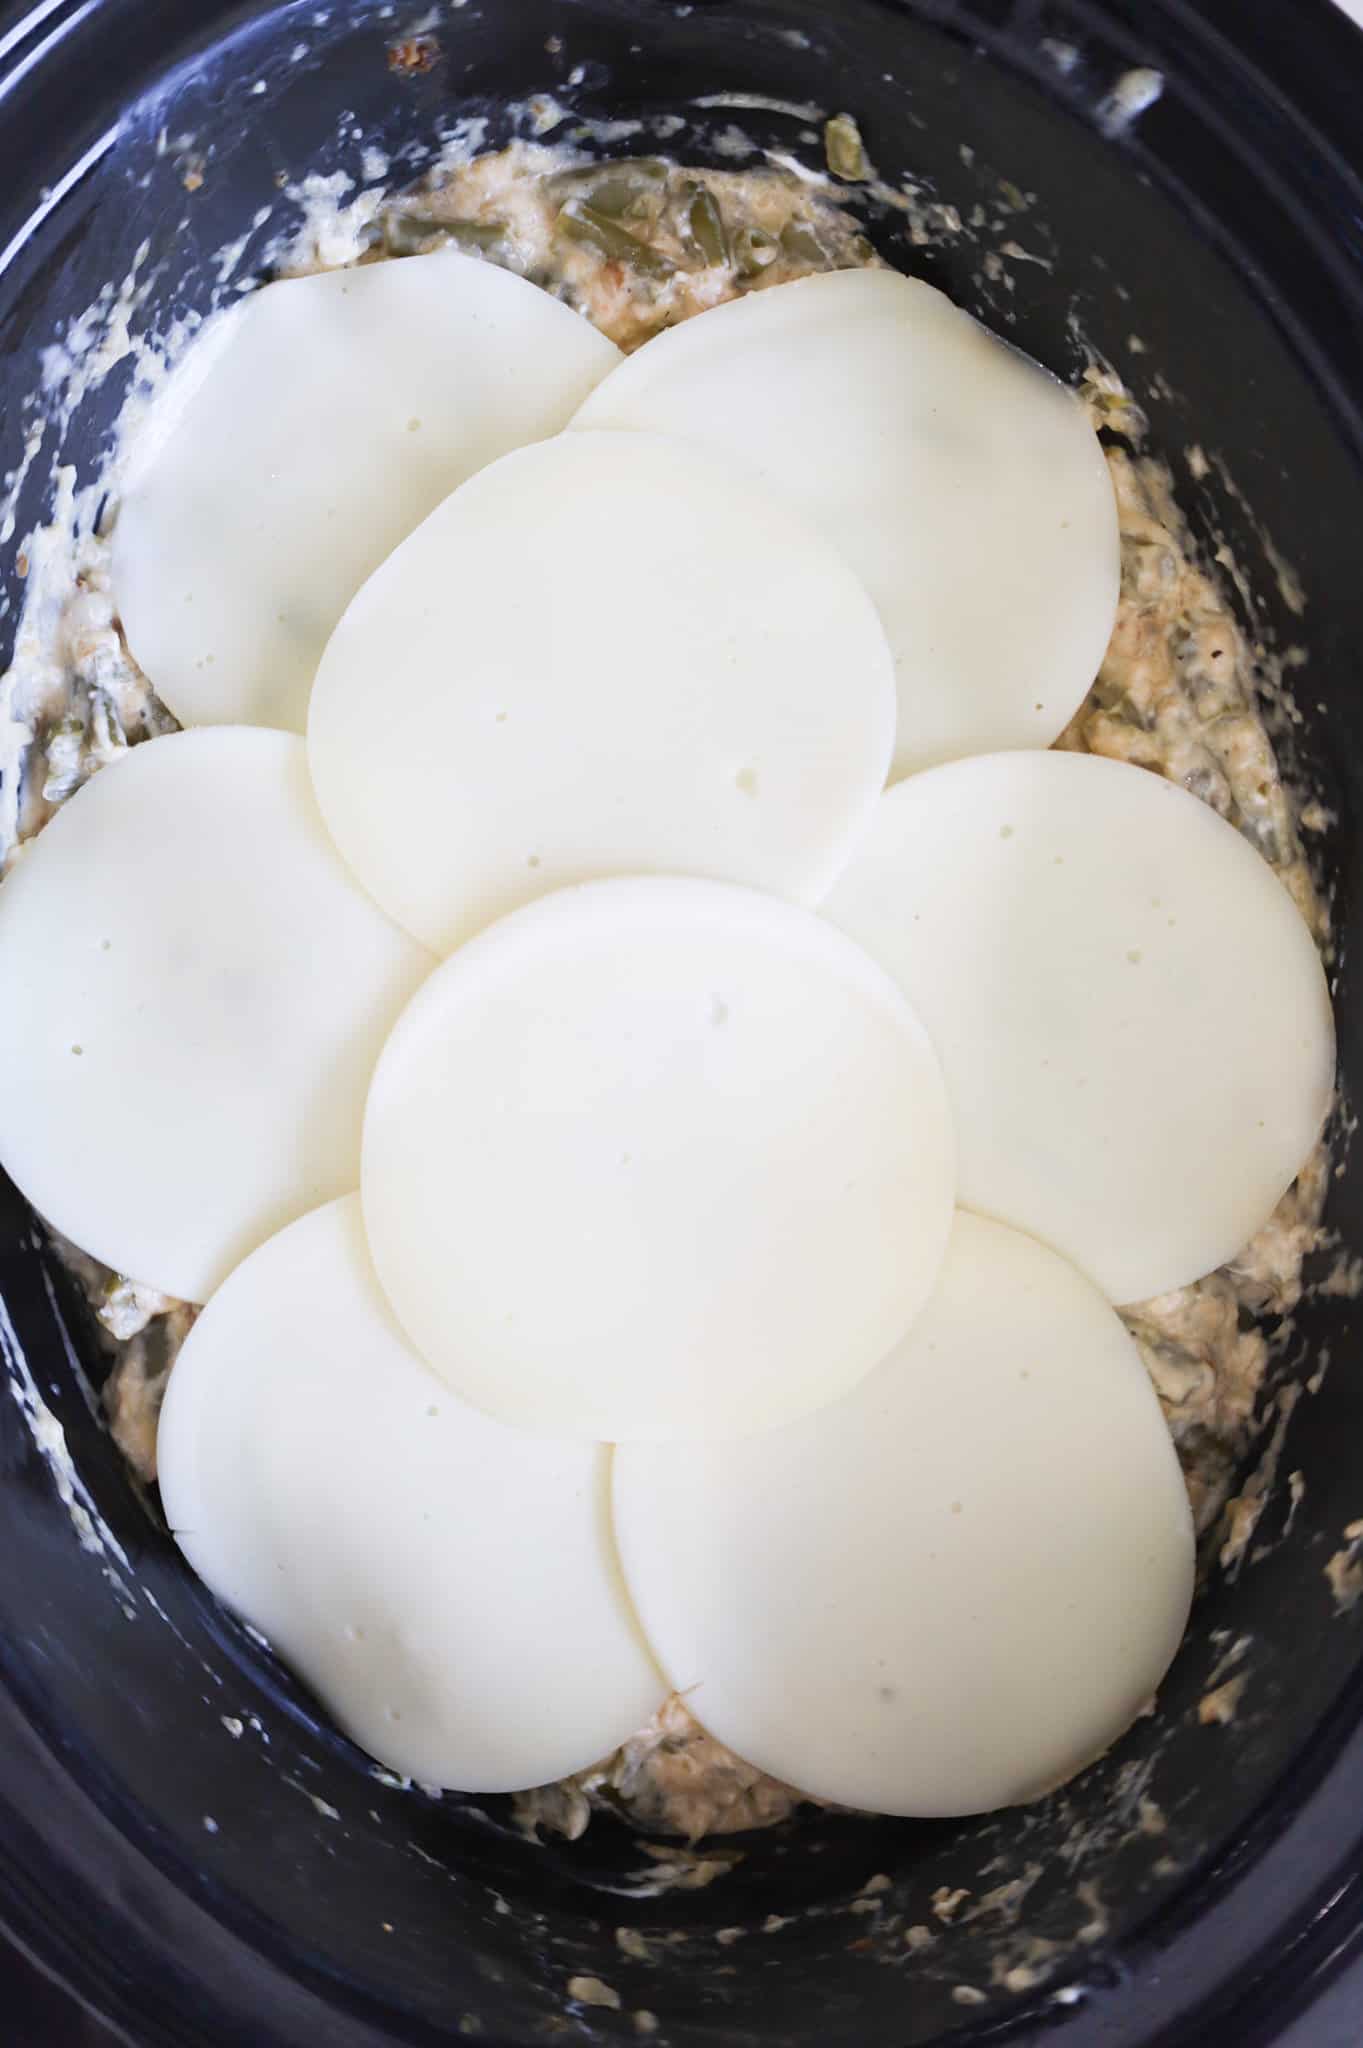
(321, 1900)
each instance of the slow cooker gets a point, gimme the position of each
(185, 1842)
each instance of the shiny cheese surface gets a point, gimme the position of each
(448, 1587)
(961, 481)
(1130, 1012)
(655, 1158)
(953, 1588)
(607, 655)
(196, 993)
(302, 438)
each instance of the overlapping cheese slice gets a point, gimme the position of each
(953, 1588)
(300, 441)
(447, 1586)
(1131, 1015)
(196, 991)
(657, 1158)
(962, 482)
(607, 655)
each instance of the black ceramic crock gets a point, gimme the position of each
(201, 1887)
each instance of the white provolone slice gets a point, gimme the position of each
(448, 1587)
(949, 1591)
(962, 482)
(657, 1158)
(196, 991)
(606, 655)
(1131, 1015)
(300, 440)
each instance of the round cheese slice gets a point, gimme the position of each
(962, 482)
(448, 1587)
(954, 1588)
(606, 655)
(303, 436)
(657, 1158)
(1131, 1015)
(196, 991)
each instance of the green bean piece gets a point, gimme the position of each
(635, 187)
(754, 251)
(619, 197)
(634, 190)
(705, 226)
(844, 149)
(407, 234)
(801, 244)
(410, 234)
(644, 170)
(1112, 698)
(476, 234)
(580, 222)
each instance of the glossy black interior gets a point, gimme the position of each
(268, 1887)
